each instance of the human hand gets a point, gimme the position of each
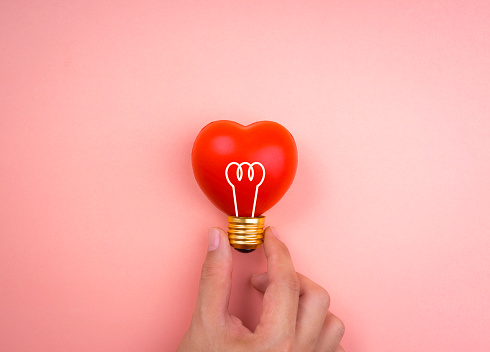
(295, 315)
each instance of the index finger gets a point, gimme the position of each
(280, 304)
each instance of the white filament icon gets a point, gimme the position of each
(239, 176)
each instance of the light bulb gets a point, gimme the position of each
(244, 171)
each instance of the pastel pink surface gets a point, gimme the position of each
(103, 228)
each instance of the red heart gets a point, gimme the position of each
(226, 148)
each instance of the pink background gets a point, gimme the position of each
(103, 228)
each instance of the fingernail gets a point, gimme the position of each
(213, 241)
(274, 231)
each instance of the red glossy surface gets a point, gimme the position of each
(222, 142)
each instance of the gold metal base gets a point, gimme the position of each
(246, 233)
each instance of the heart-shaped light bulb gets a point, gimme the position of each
(244, 171)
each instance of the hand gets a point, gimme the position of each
(295, 315)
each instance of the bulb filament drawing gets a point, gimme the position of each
(239, 176)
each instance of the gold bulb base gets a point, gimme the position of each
(246, 234)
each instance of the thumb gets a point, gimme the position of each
(215, 284)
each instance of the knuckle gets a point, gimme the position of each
(292, 283)
(321, 296)
(287, 279)
(284, 345)
(338, 326)
(210, 270)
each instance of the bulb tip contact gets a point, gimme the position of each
(244, 250)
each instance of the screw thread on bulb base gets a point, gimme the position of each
(246, 234)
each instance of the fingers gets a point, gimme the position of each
(280, 304)
(312, 311)
(215, 284)
(332, 332)
(287, 304)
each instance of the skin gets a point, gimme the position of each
(295, 315)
